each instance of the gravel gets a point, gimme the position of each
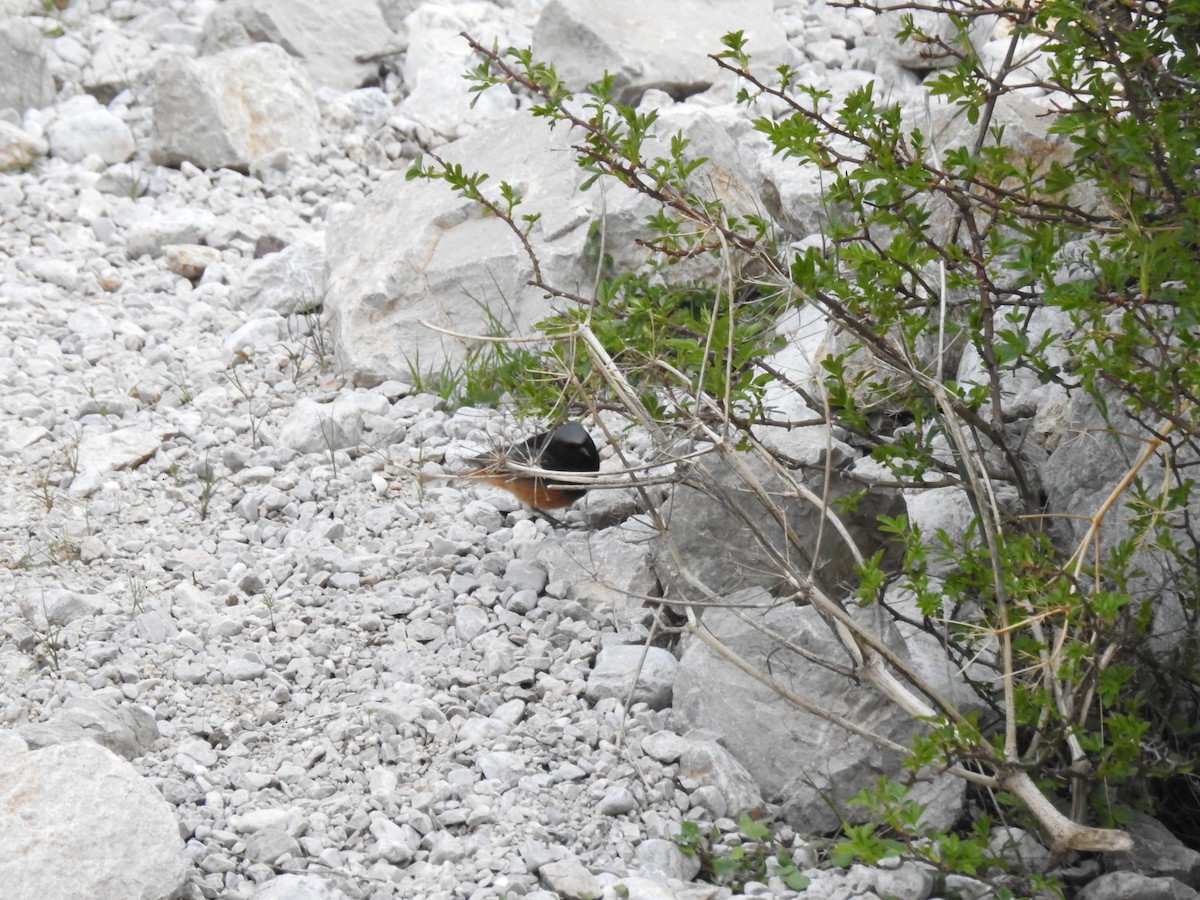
(353, 675)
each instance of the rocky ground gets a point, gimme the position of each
(321, 666)
(217, 562)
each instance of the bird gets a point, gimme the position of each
(567, 448)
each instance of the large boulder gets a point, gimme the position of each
(325, 38)
(733, 152)
(806, 762)
(232, 108)
(25, 80)
(1157, 853)
(435, 58)
(78, 821)
(1133, 886)
(728, 539)
(413, 252)
(1096, 451)
(1023, 393)
(1026, 122)
(654, 45)
(620, 670)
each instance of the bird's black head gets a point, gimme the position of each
(567, 448)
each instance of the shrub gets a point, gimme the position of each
(1075, 268)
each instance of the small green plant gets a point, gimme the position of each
(54, 8)
(756, 857)
(896, 828)
(326, 426)
(493, 366)
(48, 633)
(208, 480)
(442, 382)
(59, 549)
(182, 385)
(308, 344)
(49, 647)
(137, 595)
(44, 490)
(233, 376)
(138, 184)
(53, 551)
(71, 453)
(316, 336)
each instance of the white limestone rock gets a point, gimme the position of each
(651, 45)
(568, 878)
(228, 109)
(292, 280)
(179, 226)
(300, 887)
(25, 80)
(78, 821)
(621, 667)
(85, 128)
(127, 730)
(708, 763)
(321, 427)
(190, 260)
(123, 448)
(795, 756)
(324, 38)
(413, 252)
(432, 65)
(118, 60)
(18, 148)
